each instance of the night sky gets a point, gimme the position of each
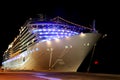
(14, 14)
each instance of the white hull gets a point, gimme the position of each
(65, 55)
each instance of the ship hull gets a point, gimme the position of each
(64, 55)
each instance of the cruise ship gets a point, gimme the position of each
(56, 45)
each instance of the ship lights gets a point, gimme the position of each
(10, 46)
(57, 40)
(36, 49)
(46, 31)
(54, 30)
(48, 42)
(54, 34)
(70, 46)
(82, 34)
(66, 47)
(86, 44)
(24, 54)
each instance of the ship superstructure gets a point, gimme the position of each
(54, 45)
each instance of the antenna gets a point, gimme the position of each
(94, 29)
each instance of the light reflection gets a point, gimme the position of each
(82, 34)
(45, 77)
(49, 42)
(57, 40)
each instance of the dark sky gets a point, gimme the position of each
(14, 14)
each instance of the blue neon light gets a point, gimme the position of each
(48, 31)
